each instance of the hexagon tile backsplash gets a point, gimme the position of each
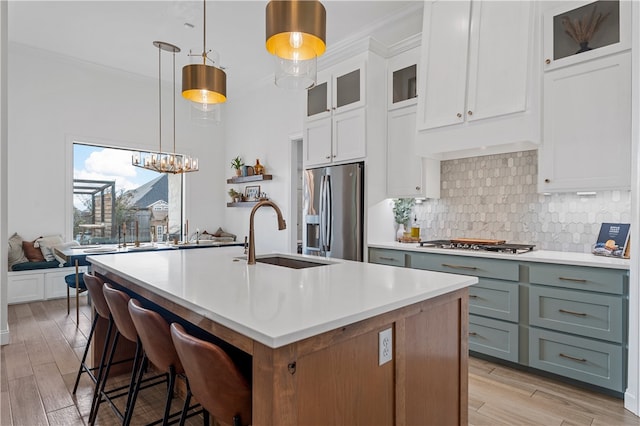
(495, 196)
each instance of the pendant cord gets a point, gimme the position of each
(160, 96)
(204, 32)
(174, 104)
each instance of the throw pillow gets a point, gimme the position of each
(16, 253)
(63, 247)
(46, 244)
(31, 252)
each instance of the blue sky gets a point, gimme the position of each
(99, 163)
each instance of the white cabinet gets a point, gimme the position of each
(335, 125)
(475, 78)
(587, 126)
(402, 72)
(408, 175)
(25, 286)
(54, 284)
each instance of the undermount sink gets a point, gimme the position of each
(289, 262)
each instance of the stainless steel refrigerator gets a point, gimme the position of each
(333, 212)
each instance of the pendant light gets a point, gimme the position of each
(202, 83)
(295, 34)
(165, 162)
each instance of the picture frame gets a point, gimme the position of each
(252, 192)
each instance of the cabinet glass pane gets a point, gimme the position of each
(404, 84)
(586, 28)
(317, 99)
(348, 88)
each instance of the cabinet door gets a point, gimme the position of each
(317, 142)
(404, 166)
(587, 126)
(443, 76)
(498, 58)
(402, 72)
(349, 135)
(348, 80)
(319, 99)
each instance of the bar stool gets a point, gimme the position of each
(213, 379)
(117, 301)
(154, 333)
(75, 281)
(94, 285)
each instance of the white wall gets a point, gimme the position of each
(260, 124)
(4, 328)
(54, 100)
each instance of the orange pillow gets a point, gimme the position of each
(34, 254)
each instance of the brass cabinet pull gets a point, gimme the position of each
(417, 188)
(578, 314)
(459, 115)
(473, 333)
(470, 112)
(473, 296)
(547, 181)
(388, 258)
(548, 61)
(573, 358)
(573, 280)
(328, 157)
(470, 268)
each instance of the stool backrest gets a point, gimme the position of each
(214, 379)
(155, 336)
(118, 301)
(94, 286)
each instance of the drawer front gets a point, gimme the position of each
(495, 299)
(587, 360)
(386, 257)
(492, 337)
(579, 277)
(488, 268)
(25, 288)
(589, 314)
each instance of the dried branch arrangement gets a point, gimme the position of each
(582, 31)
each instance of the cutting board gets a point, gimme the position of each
(477, 241)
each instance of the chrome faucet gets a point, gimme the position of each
(251, 259)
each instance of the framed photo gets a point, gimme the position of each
(252, 192)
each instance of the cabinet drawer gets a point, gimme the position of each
(493, 337)
(494, 298)
(589, 314)
(386, 257)
(489, 268)
(587, 360)
(579, 277)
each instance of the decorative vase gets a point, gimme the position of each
(400, 231)
(238, 172)
(258, 168)
(584, 47)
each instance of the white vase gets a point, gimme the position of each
(400, 231)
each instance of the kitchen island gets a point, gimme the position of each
(313, 333)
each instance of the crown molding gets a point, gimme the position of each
(404, 45)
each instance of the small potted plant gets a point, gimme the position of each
(235, 195)
(237, 164)
(402, 213)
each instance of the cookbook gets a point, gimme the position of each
(613, 240)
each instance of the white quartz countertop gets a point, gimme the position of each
(542, 256)
(275, 305)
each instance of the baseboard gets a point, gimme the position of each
(5, 337)
(631, 403)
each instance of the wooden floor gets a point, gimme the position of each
(39, 366)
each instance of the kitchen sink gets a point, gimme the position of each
(289, 262)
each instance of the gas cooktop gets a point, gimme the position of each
(479, 245)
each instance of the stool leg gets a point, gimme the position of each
(97, 395)
(170, 387)
(84, 356)
(185, 407)
(77, 295)
(133, 394)
(68, 304)
(205, 415)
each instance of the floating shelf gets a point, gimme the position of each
(254, 178)
(243, 204)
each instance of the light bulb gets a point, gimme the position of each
(295, 39)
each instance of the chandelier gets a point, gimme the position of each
(159, 161)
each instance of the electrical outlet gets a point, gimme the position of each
(385, 346)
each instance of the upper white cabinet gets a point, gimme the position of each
(587, 126)
(402, 73)
(476, 81)
(335, 124)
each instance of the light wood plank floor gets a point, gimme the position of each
(39, 366)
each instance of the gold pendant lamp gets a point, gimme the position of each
(295, 35)
(202, 83)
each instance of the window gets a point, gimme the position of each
(113, 200)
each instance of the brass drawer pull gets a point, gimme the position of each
(473, 296)
(575, 280)
(578, 314)
(572, 358)
(388, 258)
(473, 333)
(470, 268)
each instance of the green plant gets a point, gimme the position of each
(402, 210)
(233, 193)
(237, 162)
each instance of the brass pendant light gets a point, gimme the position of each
(202, 83)
(296, 29)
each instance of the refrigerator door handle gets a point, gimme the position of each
(328, 213)
(321, 215)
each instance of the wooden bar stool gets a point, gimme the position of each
(117, 301)
(155, 336)
(213, 379)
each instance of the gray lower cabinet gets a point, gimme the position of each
(563, 319)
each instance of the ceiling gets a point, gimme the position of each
(119, 34)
